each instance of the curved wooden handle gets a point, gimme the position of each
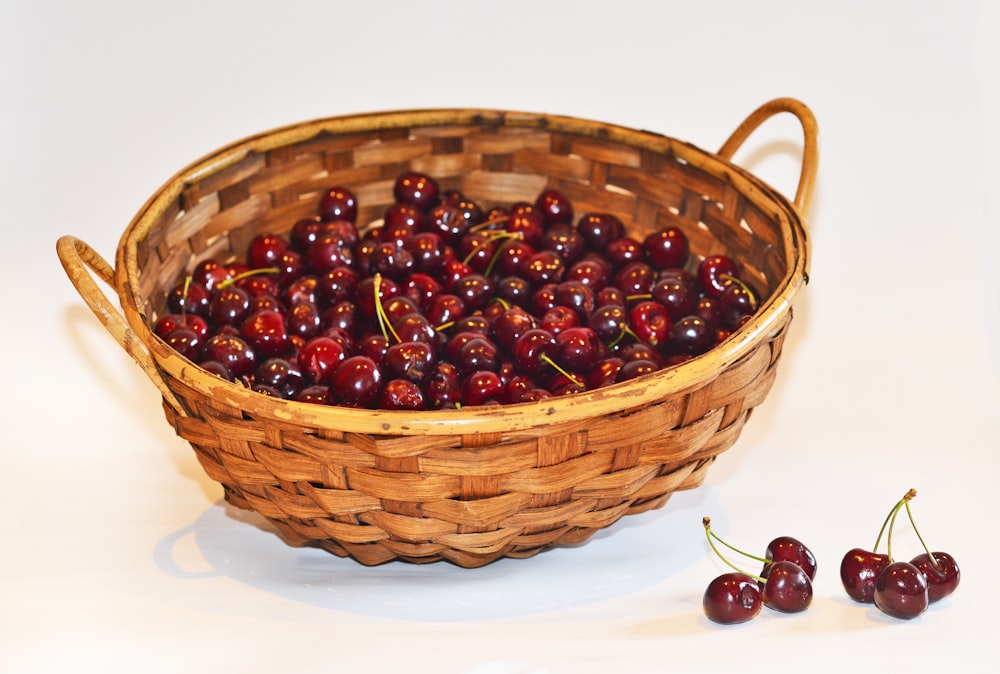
(79, 259)
(810, 152)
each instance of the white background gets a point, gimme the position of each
(117, 551)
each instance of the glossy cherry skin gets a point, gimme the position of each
(230, 350)
(732, 598)
(319, 358)
(481, 387)
(401, 394)
(338, 203)
(712, 273)
(357, 382)
(942, 579)
(666, 247)
(555, 207)
(787, 588)
(281, 374)
(786, 548)
(901, 591)
(858, 570)
(266, 333)
(414, 361)
(417, 189)
(599, 229)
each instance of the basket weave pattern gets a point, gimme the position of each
(467, 486)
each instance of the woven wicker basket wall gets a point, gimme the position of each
(475, 484)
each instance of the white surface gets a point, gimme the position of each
(118, 553)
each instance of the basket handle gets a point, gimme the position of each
(78, 260)
(810, 152)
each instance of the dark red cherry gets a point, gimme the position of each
(229, 305)
(304, 232)
(480, 388)
(732, 598)
(210, 273)
(789, 549)
(635, 278)
(621, 252)
(901, 591)
(559, 318)
(443, 387)
(638, 367)
(692, 335)
(400, 217)
(565, 241)
(319, 357)
(428, 252)
(529, 224)
(189, 298)
(266, 333)
(605, 373)
(666, 247)
(232, 352)
(544, 266)
(787, 588)
(265, 250)
(414, 361)
(578, 349)
(943, 574)
(713, 272)
(357, 382)
(600, 229)
(316, 394)
(678, 294)
(858, 570)
(327, 252)
(533, 350)
(417, 189)
(650, 322)
(401, 394)
(281, 374)
(338, 203)
(186, 342)
(167, 323)
(555, 207)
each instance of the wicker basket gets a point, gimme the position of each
(475, 484)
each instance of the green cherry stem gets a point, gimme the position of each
(712, 537)
(383, 319)
(930, 555)
(486, 224)
(890, 521)
(733, 279)
(573, 378)
(247, 274)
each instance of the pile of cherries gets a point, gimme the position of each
(443, 303)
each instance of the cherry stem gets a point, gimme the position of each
(579, 384)
(247, 274)
(486, 224)
(383, 319)
(496, 236)
(930, 554)
(710, 535)
(733, 279)
(184, 300)
(890, 520)
(625, 331)
(640, 296)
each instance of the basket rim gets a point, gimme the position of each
(614, 398)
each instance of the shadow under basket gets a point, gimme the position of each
(475, 484)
